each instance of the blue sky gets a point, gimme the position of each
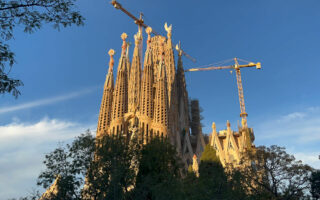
(64, 73)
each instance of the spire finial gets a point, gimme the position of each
(124, 43)
(213, 126)
(111, 52)
(148, 31)
(178, 48)
(228, 124)
(168, 29)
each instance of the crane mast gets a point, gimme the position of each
(243, 113)
(237, 68)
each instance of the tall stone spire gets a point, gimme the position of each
(120, 97)
(146, 98)
(183, 110)
(106, 103)
(182, 94)
(161, 105)
(172, 88)
(169, 62)
(135, 77)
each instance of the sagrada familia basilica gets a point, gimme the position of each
(153, 101)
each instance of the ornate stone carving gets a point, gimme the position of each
(168, 29)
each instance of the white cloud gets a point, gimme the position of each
(311, 158)
(22, 150)
(47, 101)
(292, 116)
(301, 126)
(299, 132)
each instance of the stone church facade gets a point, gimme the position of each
(149, 101)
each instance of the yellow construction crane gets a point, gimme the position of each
(139, 21)
(237, 68)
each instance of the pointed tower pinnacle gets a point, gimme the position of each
(120, 96)
(53, 191)
(146, 98)
(182, 93)
(106, 103)
(135, 77)
(172, 88)
(161, 107)
(183, 108)
(169, 62)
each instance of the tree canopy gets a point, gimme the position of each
(212, 182)
(70, 163)
(111, 173)
(271, 173)
(315, 184)
(30, 15)
(114, 167)
(159, 172)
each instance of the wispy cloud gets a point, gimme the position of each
(292, 116)
(311, 158)
(22, 149)
(299, 132)
(303, 127)
(47, 101)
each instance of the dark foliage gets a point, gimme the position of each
(212, 182)
(116, 168)
(30, 15)
(70, 163)
(315, 184)
(159, 172)
(271, 173)
(112, 172)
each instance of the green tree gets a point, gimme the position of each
(212, 182)
(271, 173)
(30, 15)
(111, 174)
(315, 184)
(70, 162)
(159, 172)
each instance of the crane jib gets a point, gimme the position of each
(236, 67)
